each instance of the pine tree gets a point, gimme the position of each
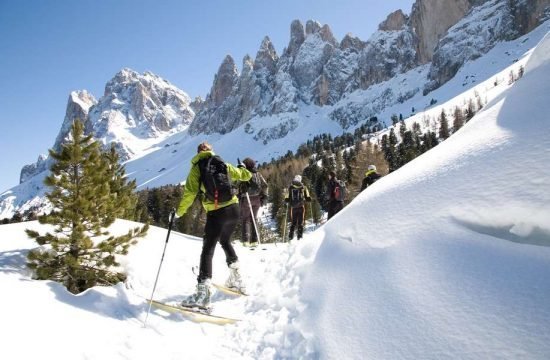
(123, 190)
(458, 121)
(443, 126)
(80, 253)
(470, 110)
(389, 144)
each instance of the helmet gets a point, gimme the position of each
(298, 178)
(371, 167)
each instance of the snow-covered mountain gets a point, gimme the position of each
(316, 69)
(446, 258)
(134, 112)
(317, 85)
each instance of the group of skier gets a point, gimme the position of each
(211, 177)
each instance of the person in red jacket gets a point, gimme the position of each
(335, 203)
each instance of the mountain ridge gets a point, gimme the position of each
(275, 96)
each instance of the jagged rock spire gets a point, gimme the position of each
(431, 19)
(266, 58)
(225, 79)
(297, 37)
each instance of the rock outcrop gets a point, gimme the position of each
(395, 21)
(487, 24)
(430, 20)
(78, 107)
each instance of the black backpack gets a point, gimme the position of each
(215, 179)
(253, 186)
(296, 196)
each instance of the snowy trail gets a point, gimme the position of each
(267, 314)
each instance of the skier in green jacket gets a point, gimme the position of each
(211, 177)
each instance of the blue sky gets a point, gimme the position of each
(50, 48)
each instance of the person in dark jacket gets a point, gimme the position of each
(221, 219)
(256, 189)
(371, 176)
(296, 196)
(334, 204)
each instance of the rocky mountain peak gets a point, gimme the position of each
(352, 42)
(297, 37)
(248, 65)
(312, 27)
(327, 36)
(123, 77)
(266, 58)
(78, 107)
(224, 80)
(395, 21)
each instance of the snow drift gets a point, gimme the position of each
(433, 261)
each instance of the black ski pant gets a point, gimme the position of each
(247, 225)
(297, 215)
(219, 227)
(333, 207)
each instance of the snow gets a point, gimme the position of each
(448, 257)
(446, 272)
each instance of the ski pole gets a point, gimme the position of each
(172, 216)
(311, 213)
(253, 218)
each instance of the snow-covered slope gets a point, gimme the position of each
(436, 260)
(448, 257)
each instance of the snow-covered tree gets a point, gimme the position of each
(87, 192)
(443, 126)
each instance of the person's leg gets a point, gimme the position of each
(339, 206)
(255, 208)
(300, 217)
(212, 232)
(292, 223)
(230, 217)
(330, 209)
(245, 222)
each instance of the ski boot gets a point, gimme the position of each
(200, 299)
(235, 281)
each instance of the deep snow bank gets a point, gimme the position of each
(436, 260)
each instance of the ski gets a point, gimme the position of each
(199, 315)
(229, 291)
